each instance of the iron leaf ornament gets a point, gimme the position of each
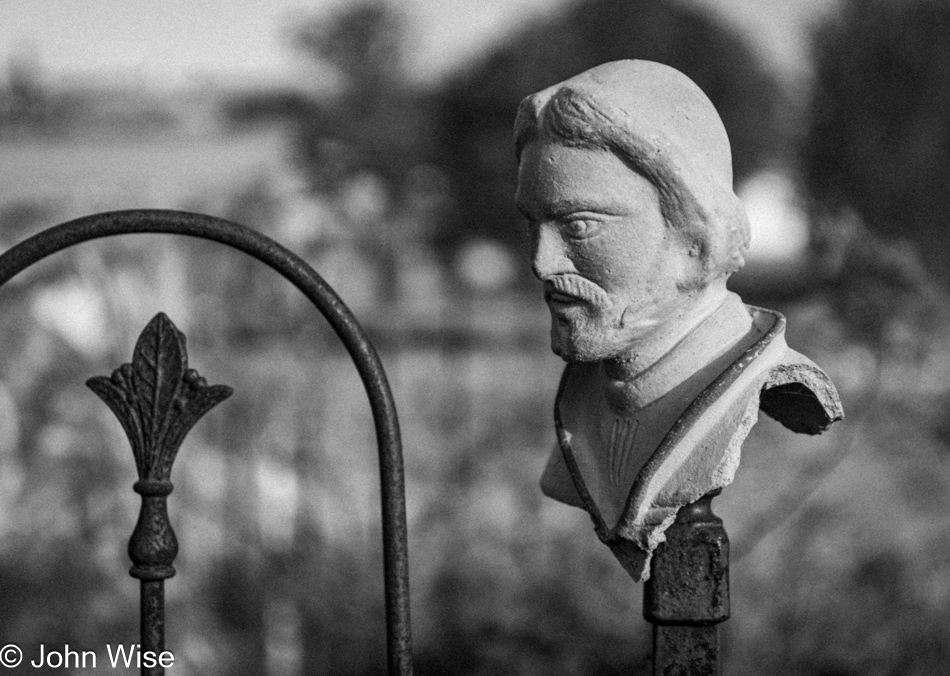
(157, 400)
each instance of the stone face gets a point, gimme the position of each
(625, 180)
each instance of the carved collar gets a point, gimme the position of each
(700, 451)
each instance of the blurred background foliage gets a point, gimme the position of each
(400, 194)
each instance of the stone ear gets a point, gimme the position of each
(693, 273)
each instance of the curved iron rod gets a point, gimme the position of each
(301, 275)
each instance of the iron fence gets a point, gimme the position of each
(161, 352)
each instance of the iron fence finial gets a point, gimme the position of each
(157, 400)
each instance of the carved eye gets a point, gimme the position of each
(580, 228)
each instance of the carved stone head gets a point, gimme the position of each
(625, 178)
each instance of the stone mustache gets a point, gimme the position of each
(625, 180)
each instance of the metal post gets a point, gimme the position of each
(152, 627)
(152, 548)
(687, 595)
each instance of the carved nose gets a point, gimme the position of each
(548, 254)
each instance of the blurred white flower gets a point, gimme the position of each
(779, 225)
(74, 312)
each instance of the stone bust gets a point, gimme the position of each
(625, 181)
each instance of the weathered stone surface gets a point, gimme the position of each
(625, 179)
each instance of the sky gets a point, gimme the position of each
(178, 39)
(174, 40)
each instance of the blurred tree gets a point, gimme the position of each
(26, 98)
(883, 296)
(879, 136)
(480, 106)
(362, 43)
(375, 123)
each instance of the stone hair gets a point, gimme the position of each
(564, 115)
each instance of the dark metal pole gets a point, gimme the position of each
(153, 623)
(687, 595)
(152, 548)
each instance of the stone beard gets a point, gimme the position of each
(625, 181)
